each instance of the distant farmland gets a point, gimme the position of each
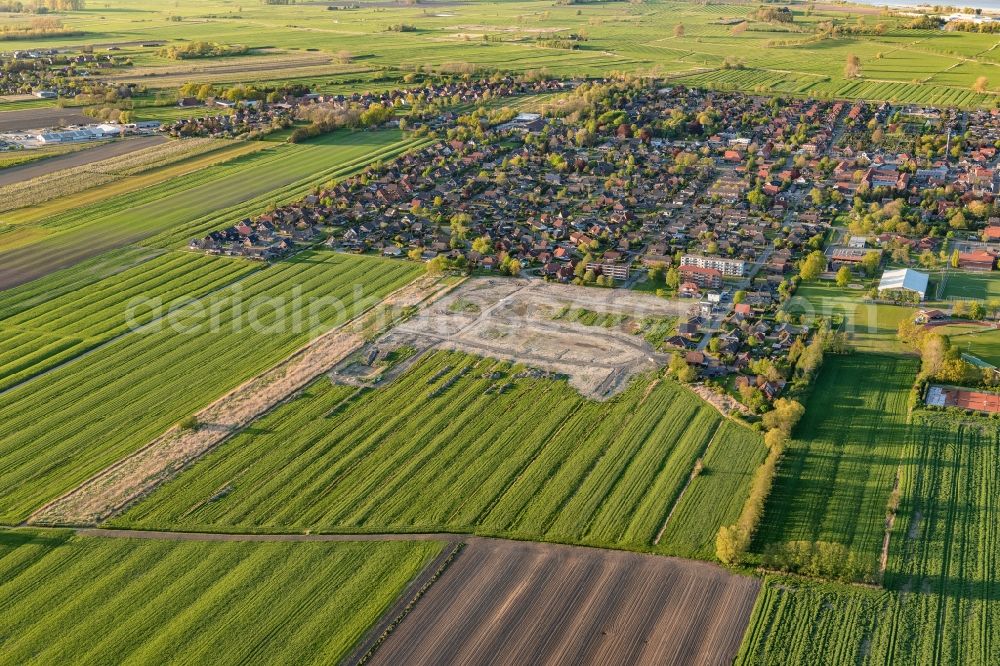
(100, 600)
(188, 206)
(62, 426)
(435, 450)
(517, 603)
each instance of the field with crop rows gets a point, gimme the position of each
(510, 603)
(942, 571)
(66, 182)
(716, 495)
(533, 459)
(37, 338)
(900, 64)
(839, 471)
(141, 601)
(171, 213)
(64, 425)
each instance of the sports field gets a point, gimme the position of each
(563, 469)
(68, 598)
(871, 327)
(172, 212)
(975, 286)
(62, 426)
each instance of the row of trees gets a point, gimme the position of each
(817, 558)
(324, 119)
(192, 50)
(940, 360)
(733, 541)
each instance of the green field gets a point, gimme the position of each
(68, 423)
(34, 339)
(66, 598)
(172, 212)
(974, 286)
(434, 451)
(839, 470)
(940, 605)
(899, 64)
(870, 326)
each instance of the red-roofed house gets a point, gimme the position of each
(977, 260)
(703, 277)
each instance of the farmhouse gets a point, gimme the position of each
(903, 281)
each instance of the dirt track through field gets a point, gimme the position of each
(113, 489)
(510, 602)
(48, 165)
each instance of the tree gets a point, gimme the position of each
(775, 439)
(460, 224)
(730, 544)
(415, 254)
(870, 263)
(672, 279)
(483, 245)
(843, 276)
(813, 265)
(752, 397)
(852, 68)
(955, 259)
(784, 416)
(739, 297)
(981, 84)
(679, 30)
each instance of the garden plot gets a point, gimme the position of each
(516, 320)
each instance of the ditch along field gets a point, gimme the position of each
(66, 598)
(901, 64)
(74, 419)
(459, 443)
(838, 473)
(172, 212)
(940, 604)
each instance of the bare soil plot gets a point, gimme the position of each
(15, 121)
(515, 320)
(49, 165)
(510, 602)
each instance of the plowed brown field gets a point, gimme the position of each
(505, 602)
